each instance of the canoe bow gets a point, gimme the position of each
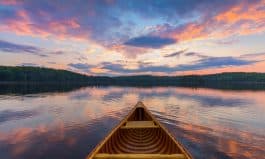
(139, 135)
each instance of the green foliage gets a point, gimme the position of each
(46, 75)
(38, 74)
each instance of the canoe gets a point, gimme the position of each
(139, 135)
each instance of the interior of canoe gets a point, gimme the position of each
(139, 136)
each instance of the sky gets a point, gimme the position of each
(131, 37)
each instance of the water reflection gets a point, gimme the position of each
(33, 88)
(7, 115)
(210, 123)
(58, 141)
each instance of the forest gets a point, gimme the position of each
(25, 74)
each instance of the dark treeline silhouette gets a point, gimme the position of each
(45, 75)
(21, 74)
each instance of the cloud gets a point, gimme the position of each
(215, 62)
(9, 2)
(83, 67)
(112, 20)
(261, 54)
(167, 9)
(113, 67)
(191, 53)
(9, 47)
(82, 58)
(130, 51)
(63, 19)
(201, 64)
(196, 54)
(175, 53)
(153, 24)
(17, 48)
(235, 18)
(150, 41)
(183, 52)
(254, 56)
(227, 42)
(57, 52)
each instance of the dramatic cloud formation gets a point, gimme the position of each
(237, 17)
(89, 19)
(92, 32)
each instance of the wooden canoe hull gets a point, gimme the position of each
(139, 135)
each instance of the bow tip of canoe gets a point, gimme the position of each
(139, 104)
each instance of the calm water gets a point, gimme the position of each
(62, 124)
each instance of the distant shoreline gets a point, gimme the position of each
(38, 75)
(117, 84)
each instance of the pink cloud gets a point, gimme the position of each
(129, 51)
(9, 2)
(93, 21)
(242, 19)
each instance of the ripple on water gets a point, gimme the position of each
(209, 123)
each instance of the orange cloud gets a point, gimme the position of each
(242, 19)
(190, 32)
(243, 12)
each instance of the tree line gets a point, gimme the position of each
(46, 75)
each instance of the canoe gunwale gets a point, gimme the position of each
(112, 131)
(94, 152)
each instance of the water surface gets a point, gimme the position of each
(68, 123)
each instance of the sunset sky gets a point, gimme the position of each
(128, 37)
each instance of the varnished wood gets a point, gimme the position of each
(139, 135)
(139, 125)
(139, 156)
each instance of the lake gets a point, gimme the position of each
(56, 123)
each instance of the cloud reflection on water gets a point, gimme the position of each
(214, 123)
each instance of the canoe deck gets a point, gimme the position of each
(139, 135)
(139, 125)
